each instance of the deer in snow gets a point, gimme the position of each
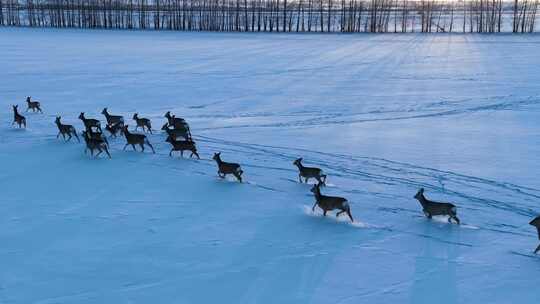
(431, 208)
(98, 135)
(536, 223)
(225, 168)
(34, 105)
(329, 203)
(176, 133)
(142, 122)
(68, 130)
(90, 123)
(182, 145)
(309, 172)
(114, 129)
(174, 122)
(112, 119)
(94, 144)
(18, 118)
(136, 139)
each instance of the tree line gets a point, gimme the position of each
(347, 16)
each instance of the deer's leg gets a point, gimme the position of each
(427, 214)
(133, 146)
(238, 176)
(537, 249)
(76, 136)
(58, 135)
(339, 213)
(40, 111)
(170, 153)
(99, 151)
(107, 151)
(456, 219)
(324, 213)
(142, 147)
(313, 208)
(196, 154)
(300, 178)
(307, 179)
(350, 215)
(69, 137)
(125, 147)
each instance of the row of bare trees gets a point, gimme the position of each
(376, 16)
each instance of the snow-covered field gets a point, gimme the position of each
(383, 115)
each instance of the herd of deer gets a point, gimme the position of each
(177, 128)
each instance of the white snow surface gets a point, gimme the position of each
(382, 115)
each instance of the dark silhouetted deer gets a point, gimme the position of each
(97, 135)
(112, 119)
(536, 223)
(18, 118)
(142, 122)
(431, 208)
(114, 129)
(329, 203)
(176, 133)
(94, 144)
(182, 145)
(309, 172)
(64, 130)
(90, 123)
(175, 122)
(225, 168)
(34, 105)
(136, 139)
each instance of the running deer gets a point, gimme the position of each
(90, 123)
(431, 208)
(112, 119)
(182, 145)
(142, 122)
(94, 144)
(329, 203)
(114, 129)
(176, 133)
(18, 118)
(536, 223)
(309, 172)
(97, 135)
(136, 139)
(175, 122)
(68, 130)
(34, 105)
(227, 168)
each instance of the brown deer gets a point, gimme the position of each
(142, 122)
(34, 105)
(94, 144)
(176, 133)
(114, 129)
(136, 139)
(329, 203)
(225, 168)
(183, 145)
(18, 118)
(90, 123)
(431, 208)
(112, 119)
(68, 130)
(175, 122)
(309, 172)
